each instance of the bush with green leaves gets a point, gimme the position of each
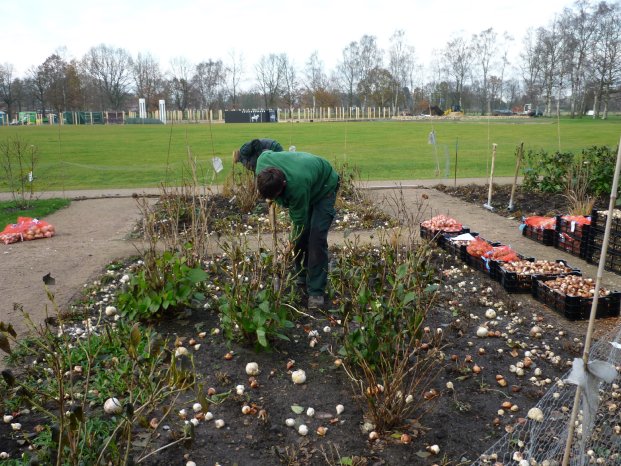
(252, 306)
(72, 376)
(385, 294)
(556, 172)
(162, 283)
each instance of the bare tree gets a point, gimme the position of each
(234, 73)
(208, 82)
(532, 66)
(579, 26)
(290, 86)
(315, 80)
(458, 56)
(110, 69)
(551, 49)
(148, 79)
(485, 47)
(6, 87)
(348, 71)
(607, 56)
(401, 63)
(270, 75)
(359, 58)
(180, 82)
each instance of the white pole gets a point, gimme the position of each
(589, 334)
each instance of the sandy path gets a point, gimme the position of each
(89, 234)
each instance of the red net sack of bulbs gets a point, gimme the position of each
(478, 246)
(542, 223)
(502, 253)
(442, 223)
(579, 219)
(26, 229)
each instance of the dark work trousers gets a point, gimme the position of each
(311, 260)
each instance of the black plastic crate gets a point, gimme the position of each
(514, 282)
(574, 246)
(544, 236)
(572, 228)
(597, 239)
(576, 307)
(458, 250)
(439, 235)
(598, 223)
(494, 266)
(612, 262)
(479, 263)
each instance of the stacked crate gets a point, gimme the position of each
(595, 242)
(572, 236)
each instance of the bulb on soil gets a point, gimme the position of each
(252, 368)
(112, 406)
(298, 377)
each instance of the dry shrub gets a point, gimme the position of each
(241, 186)
(577, 189)
(179, 221)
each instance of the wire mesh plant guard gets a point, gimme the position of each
(578, 420)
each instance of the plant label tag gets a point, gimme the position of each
(217, 164)
(573, 226)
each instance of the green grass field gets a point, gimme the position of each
(133, 156)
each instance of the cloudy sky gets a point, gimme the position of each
(207, 29)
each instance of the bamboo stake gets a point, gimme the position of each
(589, 334)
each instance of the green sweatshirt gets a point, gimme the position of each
(309, 179)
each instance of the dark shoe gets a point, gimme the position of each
(315, 302)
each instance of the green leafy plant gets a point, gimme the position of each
(252, 307)
(385, 295)
(73, 376)
(162, 283)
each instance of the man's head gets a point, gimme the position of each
(271, 182)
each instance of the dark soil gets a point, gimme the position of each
(525, 203)
(462, 421)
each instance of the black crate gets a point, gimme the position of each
(573, 229)
(513, 282)
(478, 263)
(612, 262)
(544, 236)
(597, 239)
(598, 223)
(494, 266)
(574, 246)
(458, 250)
(575, 307)
(439, 235)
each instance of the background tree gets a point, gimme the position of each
(270, 74)
(208, 82)
(180, 82)
(606, 56)
(458, 56)
(290, 86)
(234, 72)
(110, 70)
(401, 63)
(148, 80)
(377, 87)
(315, 81)
(7, 88)
(484, 45)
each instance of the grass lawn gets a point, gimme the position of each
(133, 156)
(10, 210)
